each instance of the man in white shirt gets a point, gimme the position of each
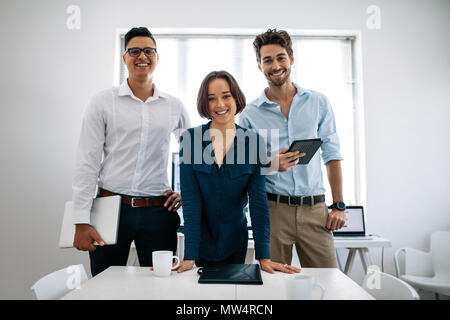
(124, 148)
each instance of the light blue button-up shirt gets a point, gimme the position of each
(310, 116)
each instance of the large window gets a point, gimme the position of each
(322, 63)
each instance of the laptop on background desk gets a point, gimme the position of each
(355, 226)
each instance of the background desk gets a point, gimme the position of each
(138, 283)
(362, 246)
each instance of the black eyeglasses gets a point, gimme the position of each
(136, 52)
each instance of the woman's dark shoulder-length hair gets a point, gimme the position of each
(236, 92)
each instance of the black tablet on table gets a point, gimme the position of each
(231, 274)
(309, 146)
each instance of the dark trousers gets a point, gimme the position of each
(153, 228)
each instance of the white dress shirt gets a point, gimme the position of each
(124, 146)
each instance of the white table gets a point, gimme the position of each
(362, 246)
(354, 245)
(137, 283)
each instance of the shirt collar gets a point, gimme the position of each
(206, 138)
(158, 93)
(264, 100)
(125, 90)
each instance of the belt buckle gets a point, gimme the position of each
(132, 202)
(295, 205)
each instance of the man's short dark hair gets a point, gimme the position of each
(272, 36)
(138, 32)
(202, 98)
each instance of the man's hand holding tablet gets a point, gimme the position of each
(307, 147)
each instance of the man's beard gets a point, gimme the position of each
(279, 82)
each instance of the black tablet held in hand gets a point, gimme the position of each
(309, 146)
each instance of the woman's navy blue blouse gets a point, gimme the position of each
(214, 198)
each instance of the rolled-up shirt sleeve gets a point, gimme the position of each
(88, 162)
(327, 132)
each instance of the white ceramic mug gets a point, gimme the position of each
(162, 263)
(300, 286)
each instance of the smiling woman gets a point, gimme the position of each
(222, 106)
(217, 93)
(218, 90)
(216, 192)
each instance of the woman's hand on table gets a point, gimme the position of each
(185, 265)
(271, 266)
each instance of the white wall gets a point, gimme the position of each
(49, 73)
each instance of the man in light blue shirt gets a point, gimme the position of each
(295, 193)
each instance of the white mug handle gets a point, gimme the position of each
(321, 288)
(178, 262)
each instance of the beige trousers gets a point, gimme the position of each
(303, 226)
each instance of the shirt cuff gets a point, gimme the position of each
(81, 216)
(191, 251)
(329, 157)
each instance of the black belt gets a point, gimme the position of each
(297, 201)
